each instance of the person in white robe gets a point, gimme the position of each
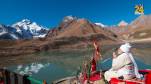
(123, 64)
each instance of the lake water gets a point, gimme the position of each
(57, 64)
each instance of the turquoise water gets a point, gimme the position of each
(54, 65)
(51, 72)
(41, 71)
(106, 64)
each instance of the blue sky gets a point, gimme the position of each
(50, 12)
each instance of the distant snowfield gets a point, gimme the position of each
(1, 33)
(100, 24)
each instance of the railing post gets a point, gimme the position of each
(1, 76)
(26, 80)
(44, 82)
(7, 77)
(15, 78)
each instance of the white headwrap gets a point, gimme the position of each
(126, 49)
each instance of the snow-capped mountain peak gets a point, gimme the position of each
(123, 23)
(100, 24)
(68, 18)
(24, 22)
(34, 25)
(27, 21)
(27, 24)
(30, 29)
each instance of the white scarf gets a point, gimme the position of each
(126, 49)
(135, 66)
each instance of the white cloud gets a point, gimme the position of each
(30, 69)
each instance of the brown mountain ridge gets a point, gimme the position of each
(138, 29)
(71, 33)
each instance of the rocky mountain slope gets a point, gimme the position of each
(141, 27)
(71, 33)
(138, 29)
(80, 28)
